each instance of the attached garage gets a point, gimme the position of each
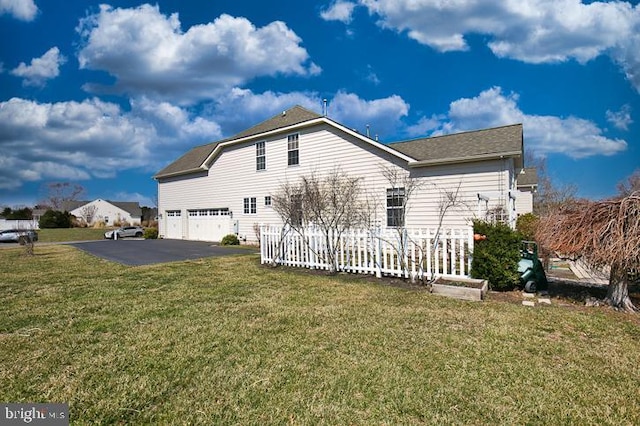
(174, 225)
(208, 224)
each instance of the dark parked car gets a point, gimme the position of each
(125, 231)
(18, 235)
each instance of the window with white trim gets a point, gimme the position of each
(261, 156)
(296, 210)
(267, 201)
(250, 205)
(395, 207)
(293, 154)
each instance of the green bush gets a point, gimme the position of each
(55, 219)
(230, 240)
(526, 225)
(151, 233)
(496, 258)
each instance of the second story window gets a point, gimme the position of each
(293, 156)
(261, 156)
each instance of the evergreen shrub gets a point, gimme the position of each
(55, 219)
(230, 240)
(151, 233)
(496, 257)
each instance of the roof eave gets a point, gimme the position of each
(470, 159)
(179, 173)
(303, 124)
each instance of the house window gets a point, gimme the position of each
(261, 156)
(296, 210)
(267, 200)
(250, 205)
(293, 156)
(395, 207)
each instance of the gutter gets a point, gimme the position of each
(180, 173)
(469, 159)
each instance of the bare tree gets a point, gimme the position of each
(58, 193)
(332, 204)
(630, 185)
(402, 188)
(549, 195)
(88, 213)
(603, 233)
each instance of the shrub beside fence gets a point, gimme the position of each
(416, 254)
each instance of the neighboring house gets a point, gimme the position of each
(109, 212)
(227, 186)
(527, 183)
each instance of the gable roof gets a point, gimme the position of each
(499, 142)
(528, 177)
(193, 160)
(290, 117)
(505, 141)
(131, 207)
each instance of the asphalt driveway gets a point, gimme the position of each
(145, 252)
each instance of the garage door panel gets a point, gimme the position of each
(208, 224)
(173, 225)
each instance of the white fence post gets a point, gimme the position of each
(414, 254)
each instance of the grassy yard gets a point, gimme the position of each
(226, 341)
(70, 234)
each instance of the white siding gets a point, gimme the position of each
(233, 177)
(524, 201)
(107, 212)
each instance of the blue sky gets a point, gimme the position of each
(106, 94)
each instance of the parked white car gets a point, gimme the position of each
(18, 235)
(125, 231)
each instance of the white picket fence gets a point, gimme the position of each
(18, 224)
(409, 253)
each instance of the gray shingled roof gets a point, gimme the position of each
(459, 147)
(292, 116)
(528, 177)
(131, 207)
(466, 146)
(193, 159)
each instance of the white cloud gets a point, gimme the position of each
(533, 31)
(80, 140)
(25, 10)
(382, 115)
(620, 119)
(544, 134)
(147, 52)
(339, 11)
(41, 69)
(240, 109)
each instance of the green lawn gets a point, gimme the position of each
(70, 234)
(226, 341)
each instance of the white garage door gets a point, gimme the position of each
(174, 225)
(209, 224)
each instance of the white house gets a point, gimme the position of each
(226, 186)
(109, 212)
(527, 186)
